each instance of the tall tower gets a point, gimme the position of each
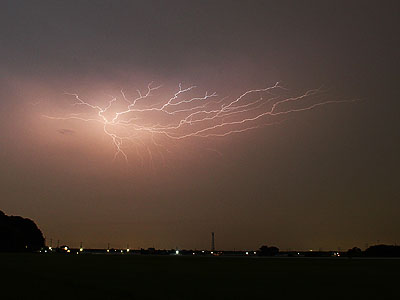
(212, 242)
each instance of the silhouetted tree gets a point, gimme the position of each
(383, 251)
(354, 252)
(19, 234)
(268, 251)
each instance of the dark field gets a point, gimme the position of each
(35, 276)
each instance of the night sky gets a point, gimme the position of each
(321, 178)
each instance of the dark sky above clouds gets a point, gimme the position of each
(326, 178)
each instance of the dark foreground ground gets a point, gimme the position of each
(36, 276)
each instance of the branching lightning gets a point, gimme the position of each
(137, 121)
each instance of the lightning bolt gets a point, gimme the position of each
(127, 120)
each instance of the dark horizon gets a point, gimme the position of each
(306, 176)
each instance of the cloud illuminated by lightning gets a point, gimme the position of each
(139, 121)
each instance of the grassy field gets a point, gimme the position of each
(35, 276)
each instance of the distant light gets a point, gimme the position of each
(127, 250)
(177, 252)
(108, 250)
(298, 253)
(65, 248)
(122, 251)
(68, 251)
(77, 252)
(311, 250)
(212, 252)
(194, 253)
(202, 251)
(255, 252)
(247, 253)
(81, 249)
(50, 248)
(45, 251)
